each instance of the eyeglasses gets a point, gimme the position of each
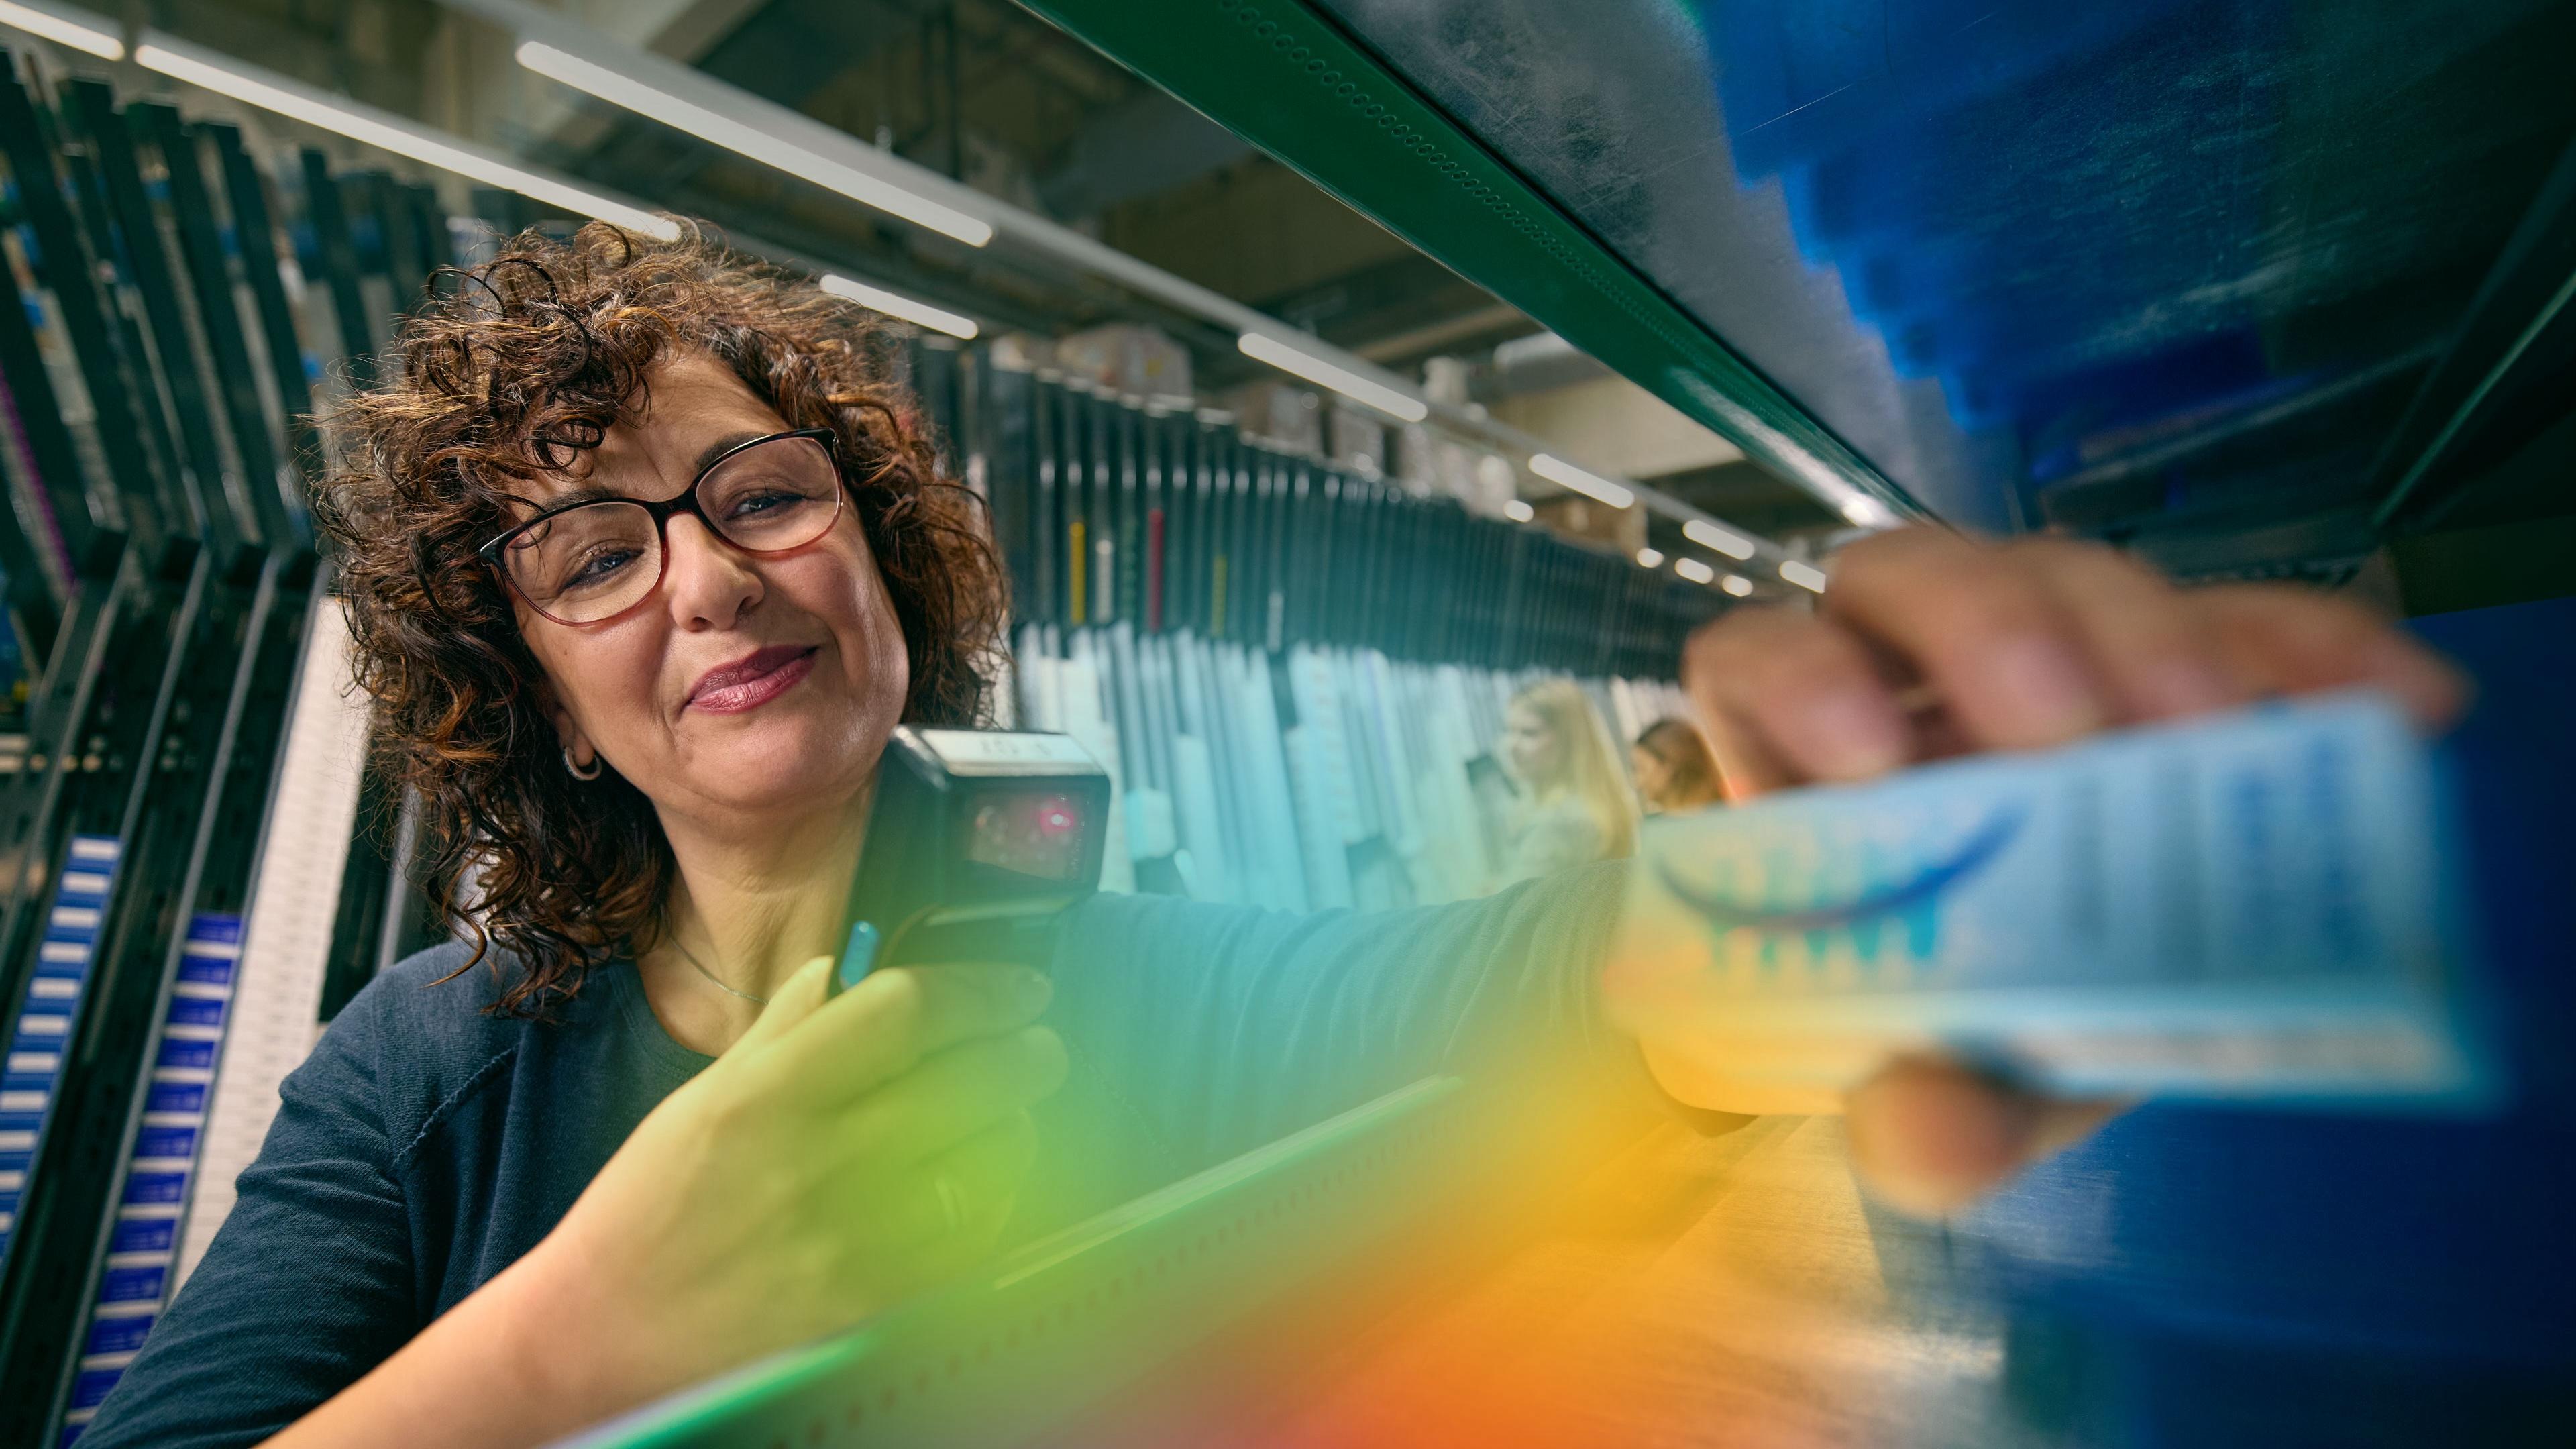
(589, 561)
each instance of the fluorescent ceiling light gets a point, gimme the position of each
(894, 304)
(62, 30)
(1737, 584)
(1263, 348)
(1648, 558)
(1591, 485)
(621, 89)
(1868, 512)
(1518, 512)
(1693, 570)
(360, 122)
(1709, 535)
(1805, 576)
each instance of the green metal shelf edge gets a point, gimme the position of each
(1292, 83)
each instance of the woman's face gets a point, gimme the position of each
(745, 686)
(1531, 750)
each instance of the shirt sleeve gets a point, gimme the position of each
(1224, 1027)
(307, 1285)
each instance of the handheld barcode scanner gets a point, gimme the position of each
(977, 840)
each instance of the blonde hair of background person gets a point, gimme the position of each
(1580, 808)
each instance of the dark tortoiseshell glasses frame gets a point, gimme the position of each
(686, 501)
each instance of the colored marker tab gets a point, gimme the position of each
(858, 958)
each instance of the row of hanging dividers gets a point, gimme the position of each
(183, 298)
(1109, 510)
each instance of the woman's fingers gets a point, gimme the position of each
(2019, 645)
(2005, 641)
(954, 1095)
(2156, 657)
(1981, 627)
(882, 1028)
(803, 994)
(1928, 1135)
(1787, 697)
(2284, 641)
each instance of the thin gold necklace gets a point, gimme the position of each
(691, 958)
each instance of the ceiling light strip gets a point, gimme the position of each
(895, 304)
(1591, 485)
(1261, 347)
(358, 121)
(655, 104)
(1708, 535)
(47, 23)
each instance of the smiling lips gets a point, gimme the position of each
(753, 680)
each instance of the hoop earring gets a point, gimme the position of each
(573, 767)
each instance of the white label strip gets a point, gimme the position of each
(294, 900)
(971, 748)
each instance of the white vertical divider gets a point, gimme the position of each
(294, 902)
(1380, 747)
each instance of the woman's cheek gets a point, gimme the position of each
(889, 663)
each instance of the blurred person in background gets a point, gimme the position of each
(1674, 769)
(1576, 807)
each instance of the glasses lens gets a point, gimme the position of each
(777, 495)
(587, 563)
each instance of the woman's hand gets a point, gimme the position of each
(1929, 644)
(842, 1155)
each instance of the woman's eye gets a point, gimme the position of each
(598, 567)
(764, 500)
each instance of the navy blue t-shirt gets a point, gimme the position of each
(426, 1144)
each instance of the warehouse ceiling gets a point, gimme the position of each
(987, 94)
(981, 91)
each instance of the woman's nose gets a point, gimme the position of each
(707, 581)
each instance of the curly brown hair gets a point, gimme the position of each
(521, 365)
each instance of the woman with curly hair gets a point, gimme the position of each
(644, 556)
